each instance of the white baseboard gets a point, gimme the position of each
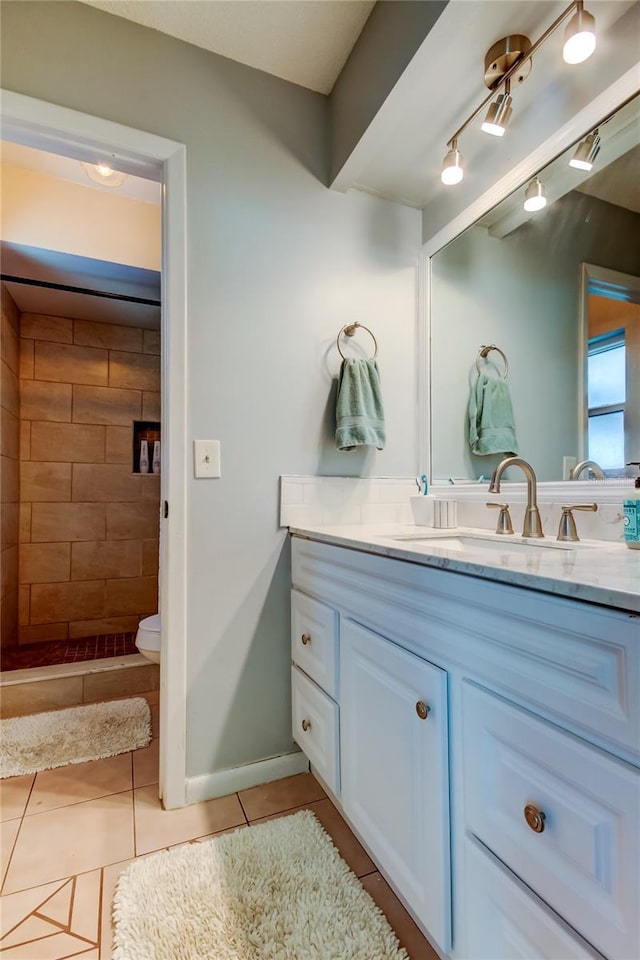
(222, 782)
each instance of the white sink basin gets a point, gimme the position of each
(496, 543)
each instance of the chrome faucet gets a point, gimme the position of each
(595, 468)
(532, 522)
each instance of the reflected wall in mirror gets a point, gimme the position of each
(520, 281)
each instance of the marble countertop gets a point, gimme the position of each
(596, 571)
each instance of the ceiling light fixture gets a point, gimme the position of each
(586, 152)
(534, 196)
(103, 174)
(511, 58)
(499, 113)
(579, 37)
(452, 165)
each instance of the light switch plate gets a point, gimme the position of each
(206, 458)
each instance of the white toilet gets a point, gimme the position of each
(148, 638)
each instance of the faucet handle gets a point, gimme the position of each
(567, 529)
(504, 517)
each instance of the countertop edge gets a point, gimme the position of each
(580, 582)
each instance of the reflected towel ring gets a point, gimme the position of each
(349, 330)
(484, 351)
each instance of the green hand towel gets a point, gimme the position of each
(492, 427)
(359, 413)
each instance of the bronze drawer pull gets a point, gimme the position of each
(305, 639)
(306, 725)
(423, 709)
(535, 818)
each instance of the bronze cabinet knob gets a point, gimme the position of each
(305, 639)
(306, 725)
(535, 817)
(423, 709)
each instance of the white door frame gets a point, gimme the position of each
(46, 126)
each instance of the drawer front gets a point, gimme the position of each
(584, 862)
(505, 921)
(314, 640)
(315, 728)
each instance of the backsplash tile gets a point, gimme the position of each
(344, 500)
(313, 501)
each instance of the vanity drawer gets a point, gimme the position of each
(584, 860)
(315, 728)
(314, 640)
(503, 919)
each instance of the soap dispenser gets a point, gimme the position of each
(632, 513)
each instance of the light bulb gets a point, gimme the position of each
(586, 152)
(452, 166)
(579, 37)
(534, 196)
(498, 116)
(103, 174)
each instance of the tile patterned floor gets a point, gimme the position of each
(67, 834)
(69, 651)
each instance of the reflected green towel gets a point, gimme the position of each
(492, 427)
(359, 413)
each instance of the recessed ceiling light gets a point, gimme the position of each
(103, 174)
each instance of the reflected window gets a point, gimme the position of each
(606, 393)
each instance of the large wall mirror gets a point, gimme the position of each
(558, 292)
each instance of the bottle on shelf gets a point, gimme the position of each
(144, 456)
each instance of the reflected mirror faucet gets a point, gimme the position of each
(591, 465)
(532, 522)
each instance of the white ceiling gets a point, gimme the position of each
(304, 41)
(64, 168)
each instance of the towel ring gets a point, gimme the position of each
(484, 351)
(349, 331)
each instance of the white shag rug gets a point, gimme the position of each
(92, 731)
(275, 891)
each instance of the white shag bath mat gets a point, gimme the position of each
(92, 731)
(276, 891)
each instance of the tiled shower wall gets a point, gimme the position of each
(10, 469)
(88, 527)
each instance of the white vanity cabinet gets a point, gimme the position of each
(488, 745)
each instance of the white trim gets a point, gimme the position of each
(223, 782)
(50, 127)
(587, 118)
(423, 349)
(560, 491)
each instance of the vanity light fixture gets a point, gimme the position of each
(535, 197)
(586, 152)
(452, 165)
(103, 174)
(511, 58)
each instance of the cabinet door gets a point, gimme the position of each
(395, 783)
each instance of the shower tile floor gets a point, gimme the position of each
(68, 833)
(69, 651)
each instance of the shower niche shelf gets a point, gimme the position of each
(148, 430)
